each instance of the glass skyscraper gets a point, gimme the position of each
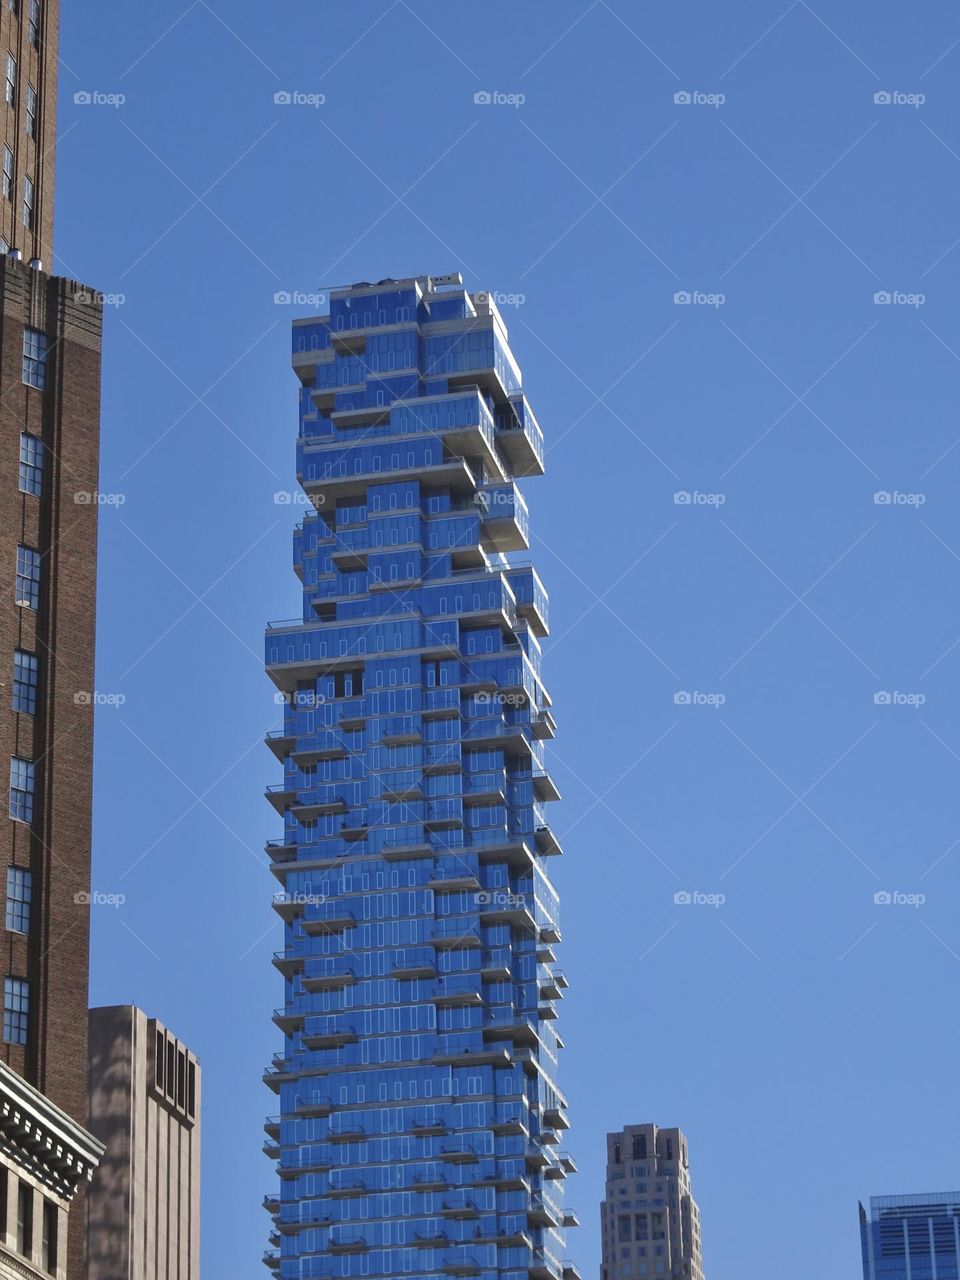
(420, 1116)
(911, 1237)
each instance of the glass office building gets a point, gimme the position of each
(911, 1237)
(420, 1121)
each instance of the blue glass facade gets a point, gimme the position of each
(913, 1237)
(420, 1119)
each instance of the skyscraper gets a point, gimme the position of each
(914, 1237)
(649, 1220)
(419, 1106)
(50, 341)
(143, 1208)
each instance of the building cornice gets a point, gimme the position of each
(42, 1139)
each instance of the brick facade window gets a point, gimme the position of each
(34, 22)
(23, 781)
(28, 577)
(10, 87)
(7, 173)
(26, 677)
(35, 358)
(16, 1011)
(31, 111)
(31, 464)
(28, 202)
(19, 890)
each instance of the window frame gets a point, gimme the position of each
(26, 682)
(29, 577)
(19, 900)
(16, 1011)
(36, 349)
(23, 790)
(32, 455)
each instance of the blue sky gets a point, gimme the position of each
(804, 1035)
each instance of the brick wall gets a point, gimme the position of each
(62, 525)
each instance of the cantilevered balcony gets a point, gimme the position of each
(329, 973)
(327, 917)
(415, 962)
(521, 439)
(347, 1242)
(504, 517)
(281, 743)
(547, 842)
(553, 985)
(457, 990)
(544, 787)
(282, 796)
(329, 1033)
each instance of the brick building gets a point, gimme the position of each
(50, 345)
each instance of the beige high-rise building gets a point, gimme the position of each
(649, 1220)
(144, 1201)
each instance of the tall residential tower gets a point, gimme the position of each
(649, 1220)
(420, 1114)
(914, 1237)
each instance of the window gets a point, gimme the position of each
(16, 1009)
(49, 1242)
(28, 577)
(31, 464)
(26, 673)
(11, 84)
(31, 111)
(18, 899)
(22, 785)
(15, 7)
(28, 203)
(34, 22)
(7, 173)
(35, 358)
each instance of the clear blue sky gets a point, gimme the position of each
(804, 1037)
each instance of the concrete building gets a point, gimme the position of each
(914, 1237)
(649, 1220)
(143, 1207)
